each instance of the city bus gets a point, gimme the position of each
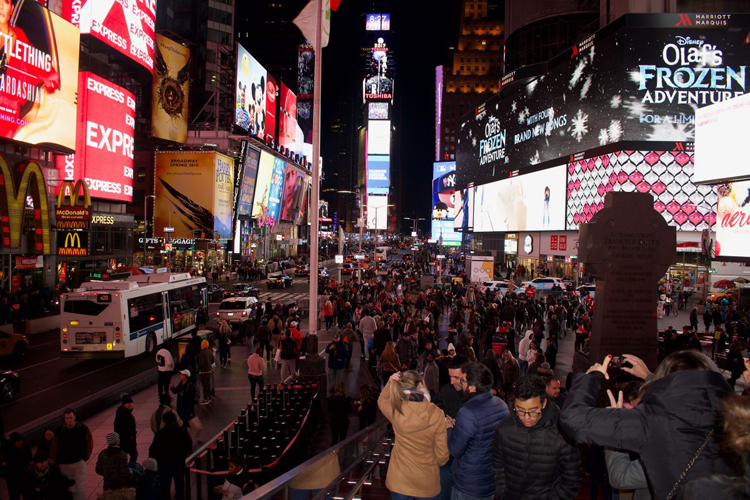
(121, 319)
(381, 254)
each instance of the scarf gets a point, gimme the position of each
(415, 396)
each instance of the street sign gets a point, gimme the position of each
(359, 257)
(339, 259)
(413, 234)
(168, 247)
(169, 230)
(440, 257)
(279, 237)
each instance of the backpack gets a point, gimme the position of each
(288, 348)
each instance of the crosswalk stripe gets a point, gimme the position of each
(281, 296)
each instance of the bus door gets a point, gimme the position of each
(167, 317)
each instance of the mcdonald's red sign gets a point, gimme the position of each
(13, 203)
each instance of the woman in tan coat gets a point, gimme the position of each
(421, 446)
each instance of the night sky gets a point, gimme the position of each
(421, 38)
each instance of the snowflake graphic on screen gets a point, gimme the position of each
(636, 108)
(603, 137)
(591, 54)
(522, 115)
(614, 130)
(579, 128)
(577, 73)
(585, 87)
(534, 159)
(637, 77)
(474, 141)
(616, 101)
(670, 132)
(531, 86)
(513, 106)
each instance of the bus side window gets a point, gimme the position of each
(148, 309)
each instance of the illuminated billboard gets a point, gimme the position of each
(733, 221)
(642, 82)
(378, 174)
(268, 188)
(105, 145)
(378, 84)
(169, 96)
(443, 190)
(529, 202)
(292, 184)
(666, 175)
(305, 73)
(287, 117)
(39, 78)
(378, 137)
(127, 27)
(271, 92)
(378, 22)
(193, 194)
(377, 212)
(720, 136)
(247, 188)
(250, 102)
(377, 111)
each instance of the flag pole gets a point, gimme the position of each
(314, 200)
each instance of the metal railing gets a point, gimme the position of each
(276, 448)
(357, 455)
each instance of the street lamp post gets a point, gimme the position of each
(414, 222)
(145, 225)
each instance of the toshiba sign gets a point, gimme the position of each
(104, 142)
(127, 27)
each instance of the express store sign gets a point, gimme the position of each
(125, 25)
(104, 142)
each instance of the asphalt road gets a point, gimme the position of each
(50, 383)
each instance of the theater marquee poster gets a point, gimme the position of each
(39, 77)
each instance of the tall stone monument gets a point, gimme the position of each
(627, 247)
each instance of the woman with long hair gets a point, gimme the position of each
(421, 445)
(389, 362)
(673, 428)
(735, 424)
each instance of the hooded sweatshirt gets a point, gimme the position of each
(523, 347)
(421, 446)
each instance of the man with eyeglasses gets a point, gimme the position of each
(532, 459)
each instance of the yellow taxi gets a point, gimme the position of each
(14, 344)
(724, 293)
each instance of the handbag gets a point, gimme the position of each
(690, 464)
(195, 425)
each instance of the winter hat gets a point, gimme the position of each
(125, 398)
(204, 344)
(185, 372)
(112, 438)
(150, 464)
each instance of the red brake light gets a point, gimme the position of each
(244, 313)
(152, 318)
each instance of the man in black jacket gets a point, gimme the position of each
(531, 457)
(171, 446)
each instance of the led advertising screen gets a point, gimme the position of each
(271, 91)
(377, 212)
(733, 221)
(305, 72)
(720, 136)
(302, 200)
(377, 111)
(378, 174)
(529, 202)
(379, 137)
(666, 175)
(127, 27)
(250, 105)
(104, 147)
(640, 83)
(169, 96)
(378, 84)
(193, 194)
(287, 117)
(288, 195)
(444, 190)
(39, 78)
(378, 22)
(268, 187)
(247, 189)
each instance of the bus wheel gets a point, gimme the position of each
(151, 343)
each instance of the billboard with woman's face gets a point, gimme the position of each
(38, 76)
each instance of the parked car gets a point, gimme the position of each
(215, 293)
(302, 271)
(323, 273)
(10, 385)
(241, 290)
(278, 280)
(498, 286)
(235, 310)
(547, 283)
(14, 344)
(584, 290)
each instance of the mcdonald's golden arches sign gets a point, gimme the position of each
(72, 216)
(30, 182)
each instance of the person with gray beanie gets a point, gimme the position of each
(112, 464)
